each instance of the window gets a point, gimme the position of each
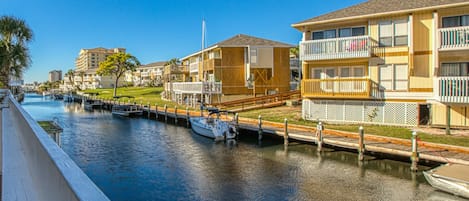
(253, 55)
(394, 77)
(455, 21)
(454, 69)
(342, 32)
(393, 33)
(345, 72)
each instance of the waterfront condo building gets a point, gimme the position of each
(388, 62)
(148, 75)
(55, 75)
(239, 65)
(87, 64)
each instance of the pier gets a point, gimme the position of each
(360, 142)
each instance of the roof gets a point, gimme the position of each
(377, 7)
(242, 40)
(158, 63)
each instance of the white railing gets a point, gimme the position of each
(454, 38)
(33, 166)
(197, 87)
(453, 89)
(144, 74)
(335, 48)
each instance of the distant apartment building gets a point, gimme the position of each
(87, 63)
(55, 75)
(147, 75)
(388, 62)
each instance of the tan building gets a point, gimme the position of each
(239, 65)
(87, 64)
(55, 75)
(148, 75)
(388, 62)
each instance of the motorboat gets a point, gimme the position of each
(92, 104)
(213, 127)
(126, 110)
(451, 178)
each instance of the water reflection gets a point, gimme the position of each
(140, 159)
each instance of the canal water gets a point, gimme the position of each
(141, 159)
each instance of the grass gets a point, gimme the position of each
(139, 95)
(152, 95)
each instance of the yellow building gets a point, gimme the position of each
(239, 65)
(388, 62)
(87, 64)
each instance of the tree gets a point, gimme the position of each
(14, 54)
(295, 51)
(82, 76)
(71, 74)
(116, 65)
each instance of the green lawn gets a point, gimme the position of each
(138, 95)
(151, 95)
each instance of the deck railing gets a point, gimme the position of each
(453, 89)
(33, 166)
(340, 88)
(197, 87)
(454, 38)
(335, 48)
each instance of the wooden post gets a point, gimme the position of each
(448, 120)
(57, 139)
(361, 145)
(165, 113)
(187, 117)
(259, 128)
(319, 129)
(149, 110)
(237, 124)
(285, 135)
(176, 115)
(156, 111)
(415, 155)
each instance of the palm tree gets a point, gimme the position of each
(14, 55)
(71, 74)
(117, 64)
(82, 75)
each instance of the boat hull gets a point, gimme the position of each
(454, 185)
(212, 128)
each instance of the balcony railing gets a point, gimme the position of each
(358, 88)
(453, 89)
(454, 38)
(194, 67)
(197, 87)
(335, 48)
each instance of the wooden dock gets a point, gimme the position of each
(372, 144)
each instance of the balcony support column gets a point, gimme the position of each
(448, 120)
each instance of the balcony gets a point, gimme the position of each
(145, 74)
(454, 38)
(197, 87)
(344, 88)
(335, 48)
(453, 89)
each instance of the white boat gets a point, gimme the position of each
(213, 127)
(92, 104)
(126, 110)
(451, 178)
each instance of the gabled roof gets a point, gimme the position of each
(381, 7)
(242, 40)
(158, 63)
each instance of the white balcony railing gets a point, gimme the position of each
(145, 74)
(454, 38)
(197, 87)
(335, 48)
(453, 89)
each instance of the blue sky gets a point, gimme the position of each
(152, 30)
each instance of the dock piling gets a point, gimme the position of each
(165, 113)
(415, 155)
(361, 145)
(156, 111)
(176, 114)
(259, 132)
(187, 117)
(149, 110)
(237, 124)
(285, 134)
(319, 139)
